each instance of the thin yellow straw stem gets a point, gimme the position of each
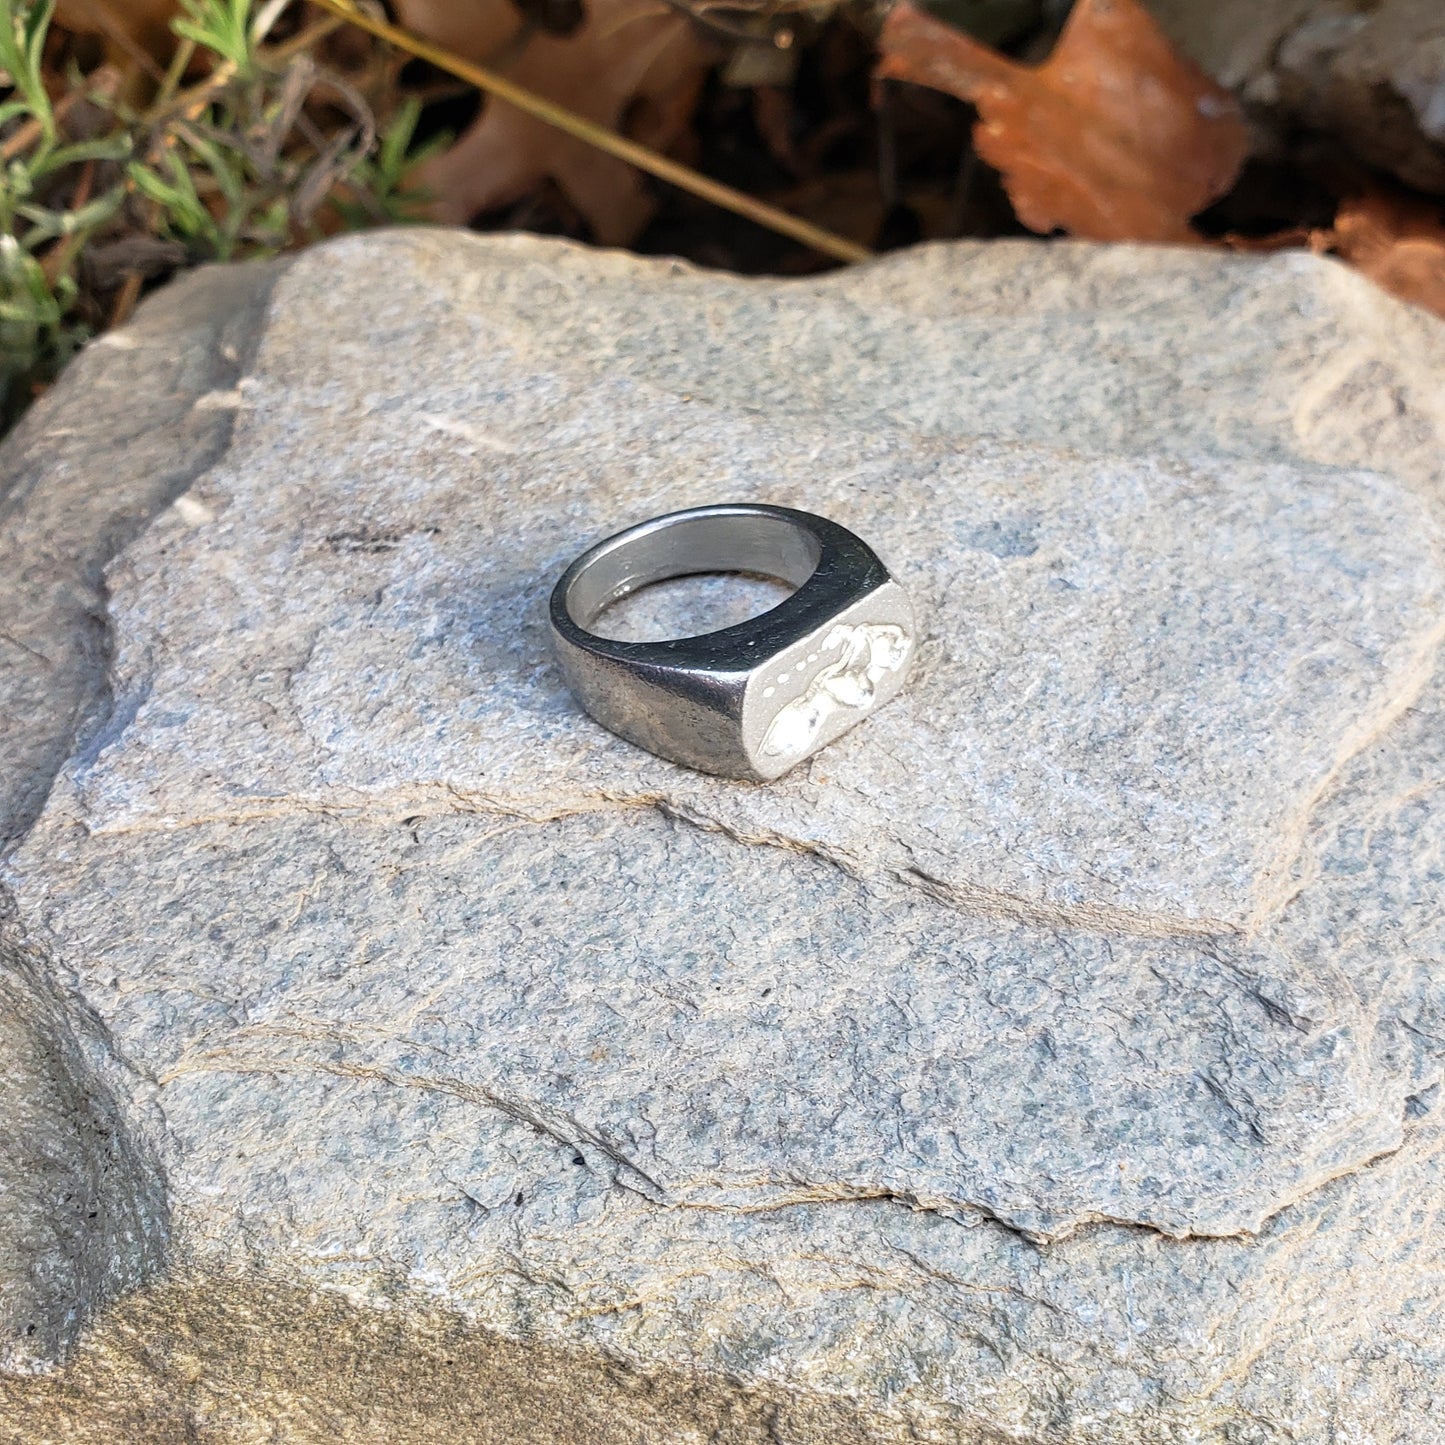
(684, 177)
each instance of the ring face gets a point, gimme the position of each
(755, 699)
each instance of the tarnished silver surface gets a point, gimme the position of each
(752, 700)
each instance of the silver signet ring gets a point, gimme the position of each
(752, 700)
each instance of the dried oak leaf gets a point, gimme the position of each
(1115, 137)
(1398, 242)
(631, 65)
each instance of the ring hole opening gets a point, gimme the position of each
(691, 573)
(690, 606)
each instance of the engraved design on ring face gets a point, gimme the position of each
(855, 660)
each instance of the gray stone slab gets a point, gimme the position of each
(136, 418)
(82, 1209)
(1370, 78)
(1056, 1058)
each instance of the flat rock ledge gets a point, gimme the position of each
(391, 1053)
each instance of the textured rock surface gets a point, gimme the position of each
(1370, 73)
(82, 1210)
(1048, 1060)
(77, 487)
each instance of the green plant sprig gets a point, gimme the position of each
(231, 168)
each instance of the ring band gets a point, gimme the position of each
(754, 699)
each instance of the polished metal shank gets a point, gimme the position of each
(752, 700)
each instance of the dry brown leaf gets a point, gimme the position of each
(1115, 137)
(632, 64)
(1397, 241)
(145, 23)
(136, 35)
(480, 30)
